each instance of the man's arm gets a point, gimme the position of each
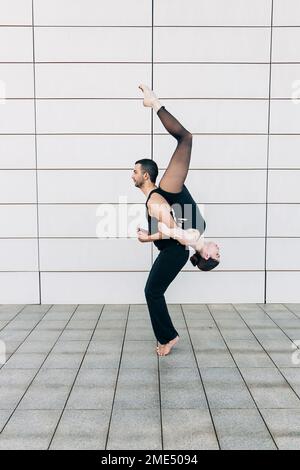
(158, 208)
(144, 236)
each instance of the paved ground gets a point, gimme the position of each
(88, 377)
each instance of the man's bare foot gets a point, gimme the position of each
(164, 349)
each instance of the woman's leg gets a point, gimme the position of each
(174, 177)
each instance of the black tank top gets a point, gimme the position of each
(182, 206)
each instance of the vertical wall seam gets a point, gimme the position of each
(152, 86)
(35, 149)
(268, 150)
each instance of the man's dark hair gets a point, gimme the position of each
(150, 167)
(202, 263)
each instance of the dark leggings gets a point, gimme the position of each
(170, 260)
(165, 268)
(176, 172)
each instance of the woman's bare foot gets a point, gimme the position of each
(150, 99)
(164, 349)
(149, 95)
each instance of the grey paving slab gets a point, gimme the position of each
(139, 307)
(181, 355)
(49, 390)
(142, 333)
(36, 308)
(210, 338)
(228, 323)
(51, 325)
(293, 333)
(21, 360)
(12, 346)
(286, 358)
(139, 354)
(194, 313)
(277, 311)
(82, 324)
(284, 425)
(182, 388)
(288, 321)
(93, 389)
(105, 355)
(132, 317)
(98, 307)
(194, 430)
(44, 335)
(63, 346)
(11, 308)
(13, 335)
(25, 324)
(135, 430)
(101, 360)
(13, 385)
(268, 333)
(116, 323)
(76, 335)
(30, 316)
(137, 389)
(295, 308)
(269, 388)
(199, 323)
(214, 359)
(259, 320)
(107, 334)
(225, 388)
(274, 345)
(89, 315)
(97, 346)
(53, 315)
(81, 430)
(220, 307)
(63, 361)
(29, 430)
(249, 353)
(246, 308)
(242, 430)
(36, 346)
(292, 375)
(4, 417)
(237, 333)
(115, 308)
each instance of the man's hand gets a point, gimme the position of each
(142, 235)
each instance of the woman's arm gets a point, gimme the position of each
(190, 237)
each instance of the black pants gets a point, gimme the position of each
(165, 268)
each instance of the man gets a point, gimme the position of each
(162, 221)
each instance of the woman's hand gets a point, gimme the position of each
(142, 235)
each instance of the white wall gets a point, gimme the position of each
(72, 149)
